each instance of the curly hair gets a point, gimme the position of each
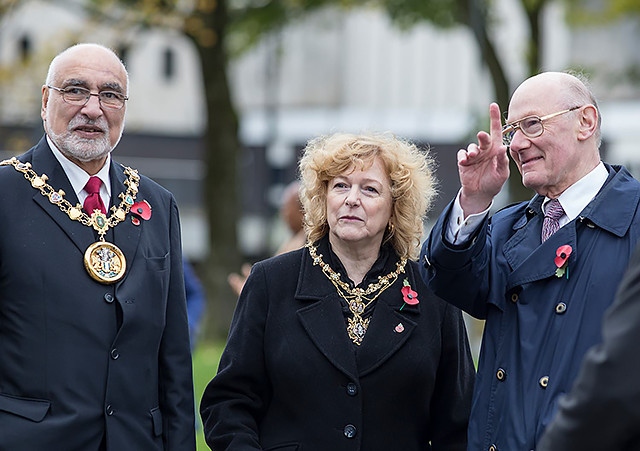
(411, 171)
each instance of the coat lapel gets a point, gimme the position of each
(321, 314)
(324, 322)
(44, 162)
(389, 329)
(126, 235)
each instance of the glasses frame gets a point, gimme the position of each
(63, 92)
(514, 126)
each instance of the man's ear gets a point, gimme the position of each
(588, 116)
(45, 101)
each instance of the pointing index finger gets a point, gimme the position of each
(496, 122)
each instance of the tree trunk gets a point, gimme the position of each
(222, 152)
(475, 18)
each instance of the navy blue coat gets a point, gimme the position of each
(538, 326)
(602, 411)
(291, 379)
(82, 363)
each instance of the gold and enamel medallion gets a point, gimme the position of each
(105, 262)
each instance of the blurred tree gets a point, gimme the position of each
(205, 22)
(260, 17)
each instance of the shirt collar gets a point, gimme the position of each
(575, 198)
(77, 176)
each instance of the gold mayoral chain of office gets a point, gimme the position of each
(358, 299)
(104, 261)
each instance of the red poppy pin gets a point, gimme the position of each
(408, 295)
(562, 260)
(140, 210)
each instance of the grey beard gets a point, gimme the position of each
(81, 149)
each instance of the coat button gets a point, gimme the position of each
(108, 297)
(109, 410)
(514, 297)
(115, 354)
(352, 389)
(561, 308)
(544, 381)
(350, 431)
(501, 374)
(493, 448)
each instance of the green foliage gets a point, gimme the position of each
(407, 13)
(205, 366)
(590, 12)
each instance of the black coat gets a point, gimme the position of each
(291, 379)
(81, 361)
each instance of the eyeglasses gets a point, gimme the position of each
(75, 95)
(531, 126)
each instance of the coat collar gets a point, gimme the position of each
(532, 261)
(605, 210)
(322, 318)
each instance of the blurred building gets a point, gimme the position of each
(333, 71)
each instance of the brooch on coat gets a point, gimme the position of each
(408, 295)
(562, 260)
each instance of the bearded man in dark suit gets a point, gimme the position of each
(94, 339)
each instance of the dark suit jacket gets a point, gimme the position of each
(82, 363)
(291, 379)
(602, 411)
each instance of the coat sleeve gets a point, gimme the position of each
(175, 369)
(234, 401)
(602, 410)
(451, 403)
(458, 274)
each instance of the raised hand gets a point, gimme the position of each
(483, 167)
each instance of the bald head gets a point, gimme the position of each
(556, 134)
(552, 91)
(89, 52)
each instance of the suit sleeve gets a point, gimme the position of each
(176, 381)
(236, 398)
(602, 411)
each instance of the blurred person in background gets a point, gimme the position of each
(340, 345)
(543, 272)
(195, 302)
(94, 339)
(292, 215)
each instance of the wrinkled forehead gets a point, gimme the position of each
(93, 68)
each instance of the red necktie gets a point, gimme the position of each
(93, 201)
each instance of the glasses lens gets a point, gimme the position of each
(507, 134)
(111, 99)
(531, 126)
(75, 95)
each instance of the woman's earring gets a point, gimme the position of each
(390, 229)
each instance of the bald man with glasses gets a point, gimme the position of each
(94, 338)
(540, 273)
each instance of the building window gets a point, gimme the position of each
(168, 64)
(24, 48)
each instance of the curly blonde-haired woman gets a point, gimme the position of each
(340, 345)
